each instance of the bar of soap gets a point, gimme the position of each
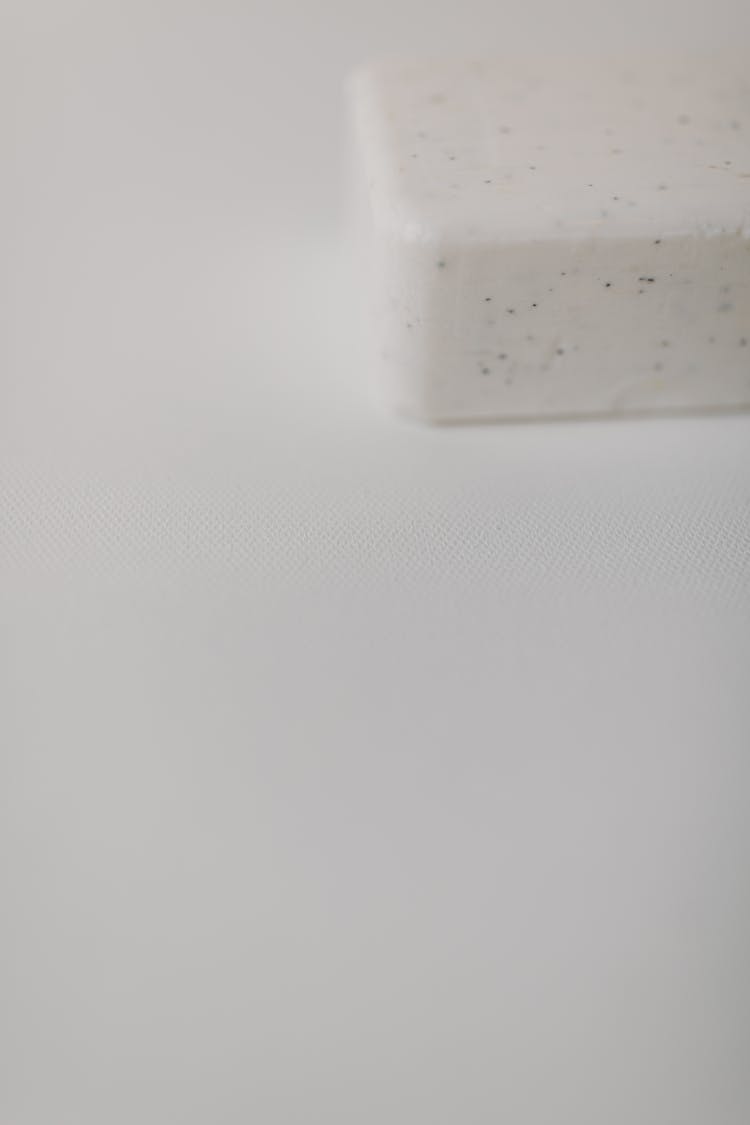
(565, 237)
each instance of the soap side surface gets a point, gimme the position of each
(569, 242)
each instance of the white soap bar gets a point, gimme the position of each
(569, 237)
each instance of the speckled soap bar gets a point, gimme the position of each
(565, 237)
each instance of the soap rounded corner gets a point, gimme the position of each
(416, 230)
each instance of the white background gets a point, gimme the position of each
(352, 772)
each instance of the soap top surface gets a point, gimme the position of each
(507, 149)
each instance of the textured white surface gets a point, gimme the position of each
(351, 772)
(565, 236)
(508, 149)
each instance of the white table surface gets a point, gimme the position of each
(352, 772)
